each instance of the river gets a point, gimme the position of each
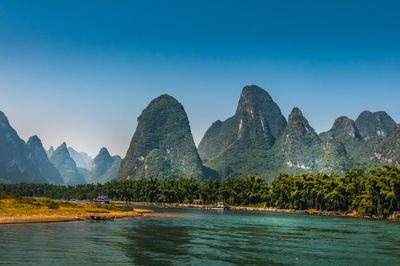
(199, 237)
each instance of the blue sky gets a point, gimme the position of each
(82, 71)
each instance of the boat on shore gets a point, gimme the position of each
(219, 206)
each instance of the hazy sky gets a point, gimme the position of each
(82, 71)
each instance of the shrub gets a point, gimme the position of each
(3, 195)
(126, 208)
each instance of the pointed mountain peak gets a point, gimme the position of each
(103, 150)
(50, 151)
(378, 124)
(295, 114)
(299, 128)
(62, 149)
(63, 161)
(344, 126)
(253, 97)
(162, 145)
(103, 153)
(34, 141)
(62, 146)
(259, 114)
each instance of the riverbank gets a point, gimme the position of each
(266, 209)
(31, 210)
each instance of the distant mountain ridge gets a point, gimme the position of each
(30, 162)
(82, 159)
(295, 147)
(105, 167)
(23, 162)
(62, 160)
(257, 141)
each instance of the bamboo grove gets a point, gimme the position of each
(373, 192)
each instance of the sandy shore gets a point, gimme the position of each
(66, 217)
(34, 210)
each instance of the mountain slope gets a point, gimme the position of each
(378, 124)
(162, 145)
(388, 151)
(82, 159)
(66, 166)
(38, 155)
(15, 163)
(257, 123)
(105, 168)
(299, 143)
(241, 145)
(50, 151)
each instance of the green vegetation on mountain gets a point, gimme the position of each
(388, 151)
(239, 146)
(250, 144)
(162, 145)
(299, 143)
(257, 140)
(66, 166)
(376, 192)
(257, 123)
(378, 124)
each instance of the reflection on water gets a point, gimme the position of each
(194, 236)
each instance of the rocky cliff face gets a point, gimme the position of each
(343, 128)
(388, 151)
(378, 124)
(257, 123)
(300, 143)
(240, 145)
(162, 145)
(66, 166)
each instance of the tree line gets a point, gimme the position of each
(373, 192)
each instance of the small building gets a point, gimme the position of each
(198, 202)
(102, 200)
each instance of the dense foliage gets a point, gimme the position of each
(376, 192)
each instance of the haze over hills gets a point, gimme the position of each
(82, 159)
(23, 162)
(257, 140)
(105, 167)
(62, 160)
(30, 162)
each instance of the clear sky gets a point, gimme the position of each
(82, 71)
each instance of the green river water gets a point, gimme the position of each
(199, 237)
